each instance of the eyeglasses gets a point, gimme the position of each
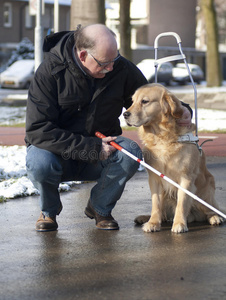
(104, 64)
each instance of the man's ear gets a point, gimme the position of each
(82, 55)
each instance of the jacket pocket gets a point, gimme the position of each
(72, 102)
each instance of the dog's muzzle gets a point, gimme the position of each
(126, 114)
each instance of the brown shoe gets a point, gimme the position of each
(47, 223)
(102, 222)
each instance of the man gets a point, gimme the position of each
(80, 88)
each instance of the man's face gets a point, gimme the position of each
(98, 63)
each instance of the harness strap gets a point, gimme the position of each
(190, 139)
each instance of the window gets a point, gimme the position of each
(7, 14)
(28, 18)
(48, 18)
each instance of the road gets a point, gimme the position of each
(4, 93)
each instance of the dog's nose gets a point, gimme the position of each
(126, 114)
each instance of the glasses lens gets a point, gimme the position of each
(104, 64)
(110, 62)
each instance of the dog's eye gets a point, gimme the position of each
(144, 101)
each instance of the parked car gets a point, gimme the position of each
(181, 75)
(164, 72)
(18, 75)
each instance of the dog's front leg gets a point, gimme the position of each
(183, 208)
(154, 223)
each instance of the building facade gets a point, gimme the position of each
(16, 22)
(148, 19)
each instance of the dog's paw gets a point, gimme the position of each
(216, 220)
(151, 227)
(139, 220)
(179, 228)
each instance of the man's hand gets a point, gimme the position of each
(107, 149)
(185, 119)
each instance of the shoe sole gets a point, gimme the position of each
(45, 230)
(107, 228)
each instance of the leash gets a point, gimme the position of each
(118, 147)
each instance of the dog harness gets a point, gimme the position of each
(190, 139)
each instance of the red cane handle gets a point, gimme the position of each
(101, 136)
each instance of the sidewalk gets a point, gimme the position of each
(81, 262)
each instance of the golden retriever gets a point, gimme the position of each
(155, 110)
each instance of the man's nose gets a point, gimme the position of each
(109, 67)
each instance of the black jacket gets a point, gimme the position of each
(66, 107)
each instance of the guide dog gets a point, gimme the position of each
(172, 150)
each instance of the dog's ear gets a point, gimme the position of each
(171, 105)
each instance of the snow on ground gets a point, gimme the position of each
(13, 176)
(10, 115)
(211, 120)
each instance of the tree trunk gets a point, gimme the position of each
(125, 29)
(86, 12)
(213, 69)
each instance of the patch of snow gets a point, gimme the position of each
(17, 97)
(12, 115)
(13, 188)
(211, 120)
(12, 162)
(202, 88)
(13, 175)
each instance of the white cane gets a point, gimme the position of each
(118, 147)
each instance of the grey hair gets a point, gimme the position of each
(83, 41)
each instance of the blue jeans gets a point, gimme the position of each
(47, 170)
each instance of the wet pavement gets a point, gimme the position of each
(81, 262)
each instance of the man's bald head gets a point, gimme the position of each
(96, 48)
(94, 37)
